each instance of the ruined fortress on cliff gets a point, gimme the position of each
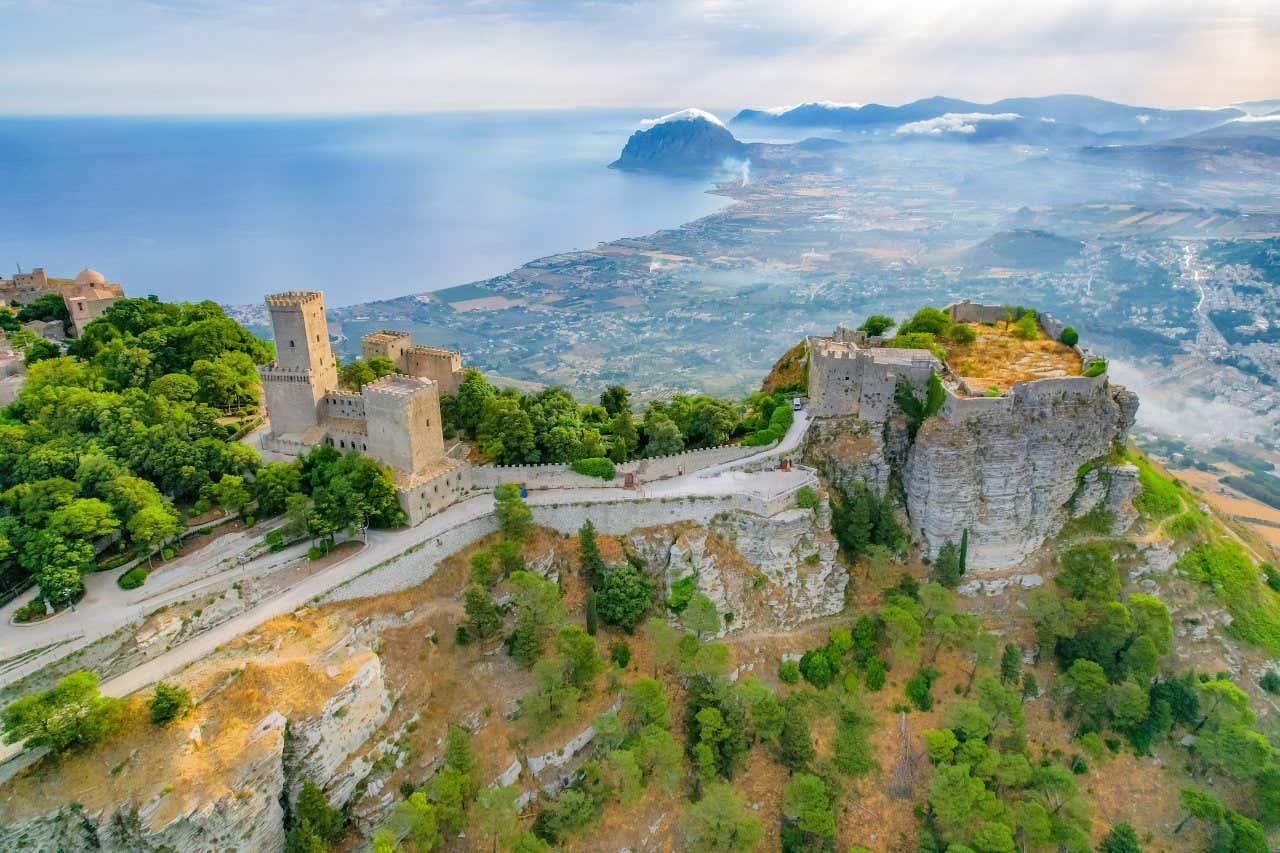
(395, 419)
(1005, 470)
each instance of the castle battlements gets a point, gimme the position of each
(394, 419)
(294, 298)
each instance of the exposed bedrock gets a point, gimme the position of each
(1008, 473)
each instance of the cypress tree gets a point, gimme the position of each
(964, 550)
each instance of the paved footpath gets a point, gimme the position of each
(201, 568)
(108, 608)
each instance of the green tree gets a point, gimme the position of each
(1011, 663)
(483, 620)
(700, 616)
(538, 610)
(644, 703)
(663, 437)
(720, 823)
(168, 703)
(876, 325)
(416, 819)
(70, 714)
(664, 643)
(514, 516)
(795, 743)
(1089, 573)
(589, 555)
(1086, 686)
(497, 813)
(354, 375)
(1121, 838)
(807, 806)
(615, 400)
(625, 596)
(577, 652)
(231, 493)
(83, 518)
(946, 567)
(313, 810)
(552, 699)
(457, 754)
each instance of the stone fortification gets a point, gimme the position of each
(850, 376)
(441, 366)
(1004, 468)
(395, 419)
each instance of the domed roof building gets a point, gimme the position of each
(90, 276)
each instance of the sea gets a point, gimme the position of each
(361, 207)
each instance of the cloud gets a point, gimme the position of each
(954, 123)
(197, 56)
(830, 105)
(687, 114)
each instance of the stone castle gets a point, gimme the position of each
(1008, 470)
(395, 419)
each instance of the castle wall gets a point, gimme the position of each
(293, 400)
(344, 404)
(403, 415)
(844, 380)
(423, 500)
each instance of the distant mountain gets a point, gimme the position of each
(1246, 143)
(1025, 249)
(1259, 108)
(687, 142)
(1092, 114)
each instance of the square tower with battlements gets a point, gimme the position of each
(402, 414)
(295, 384)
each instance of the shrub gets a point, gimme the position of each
(594, 466)
(1270, 682)
(960, 333)
(1069, 336)
(818, 668)
(624, 597)
(29, 612)
(681, 591)
(315, 552)
(875, 673)
(806, 498)
(168, 703)
(275, 539)
(167, 554)
(920, 687)
(789, 672)
(1097, 367)
(1027, 328)
(620, 653)
(1226, 567)
(133, 578)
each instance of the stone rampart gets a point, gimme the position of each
(562, 476)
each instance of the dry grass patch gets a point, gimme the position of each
(998, 358)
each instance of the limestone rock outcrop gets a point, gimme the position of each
(769, 573)
(1006, 470)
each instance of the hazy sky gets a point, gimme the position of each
(196, 56)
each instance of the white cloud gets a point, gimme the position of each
(954, 123)
(212, 56)
(688, 114)
(830, 105)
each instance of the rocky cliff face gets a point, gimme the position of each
(212, 783)
(769, 573)
(1009, 475)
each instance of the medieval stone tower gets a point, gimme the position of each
(304, 370)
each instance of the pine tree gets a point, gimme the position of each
(589, 555)
(946, 568)
(483, 620)
(1011, 663)
(590, 612)
(964, 551)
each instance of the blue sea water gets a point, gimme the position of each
(363, 208)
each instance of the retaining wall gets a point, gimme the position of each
(562, 476)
